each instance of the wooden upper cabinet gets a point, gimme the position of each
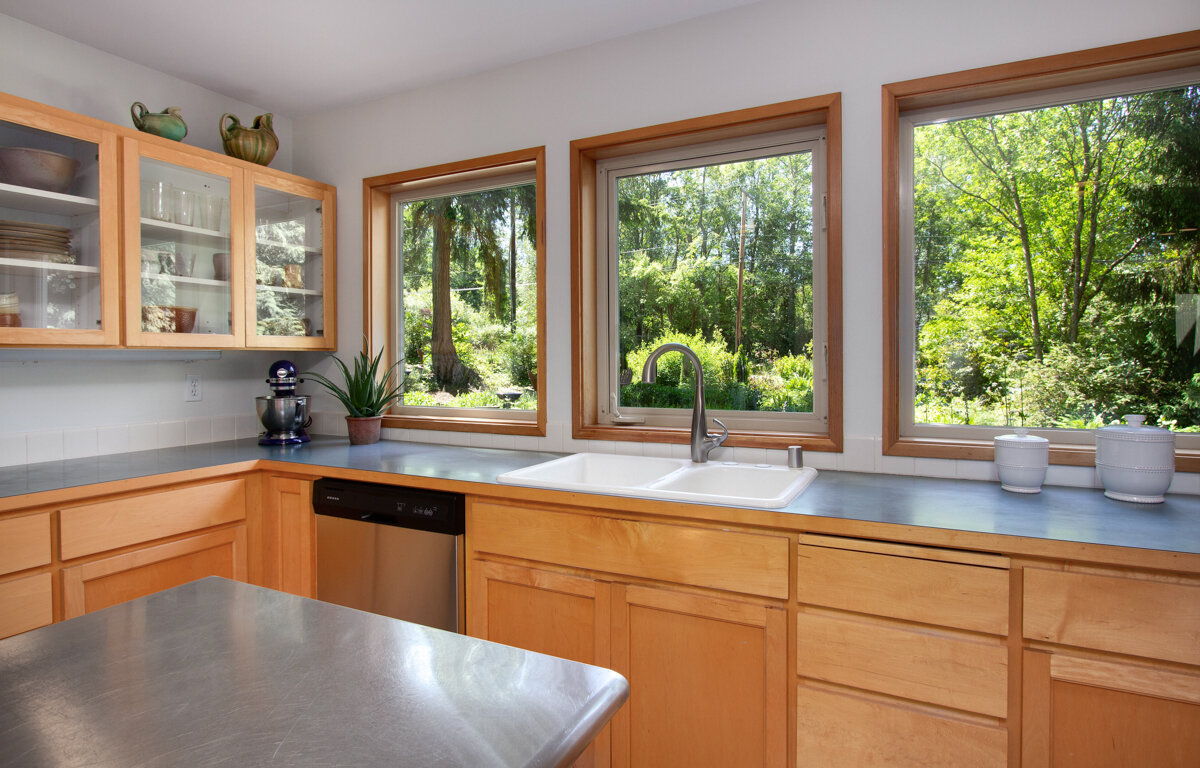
(184, 248)
(216, 253)
(289, 264)
(59, 272)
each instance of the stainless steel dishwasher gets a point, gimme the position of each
(390, 550)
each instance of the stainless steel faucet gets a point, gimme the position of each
(702, 442)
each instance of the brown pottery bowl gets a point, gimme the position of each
(37, 168)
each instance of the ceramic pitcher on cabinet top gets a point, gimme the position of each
(257, 144)
(168, 123)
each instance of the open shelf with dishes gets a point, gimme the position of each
(53, 267)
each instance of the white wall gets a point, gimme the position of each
(759, 54)
(55, 410)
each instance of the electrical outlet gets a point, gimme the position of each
(193, 391)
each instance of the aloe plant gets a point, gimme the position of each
(364, 392)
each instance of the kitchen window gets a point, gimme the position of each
(722, 234)
(1041, 237)
(455, 291)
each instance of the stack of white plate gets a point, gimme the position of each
(40, 242)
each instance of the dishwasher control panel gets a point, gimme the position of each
(416, 508)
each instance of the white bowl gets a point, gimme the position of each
(1145, 486)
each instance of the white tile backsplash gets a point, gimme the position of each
(44, 446)
(197, 431)
(113, 439)
(80, 443)
(13, 450)
(143, 437)
(171, 434)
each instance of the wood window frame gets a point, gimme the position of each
(584, 153)
(1143, 57)
(378, 307)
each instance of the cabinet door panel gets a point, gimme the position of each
(59, 270)
(1086, 713)
(92, 586)
(708, 680)
(837, 730)
(26, 603)
(547, 612)
(288, 532)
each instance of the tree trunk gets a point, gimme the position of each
(703, 203)
(512, 261)
(737, 324)
(444, 356)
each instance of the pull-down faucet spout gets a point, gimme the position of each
(702, 442)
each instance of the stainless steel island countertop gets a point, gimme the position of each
(220, 673)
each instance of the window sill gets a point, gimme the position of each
(737, 439)
(462, 424)
(1186, 460)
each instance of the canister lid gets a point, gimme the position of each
(1135, 430)
(1022, 439)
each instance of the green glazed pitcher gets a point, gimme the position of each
(168, 123)
(257, 144)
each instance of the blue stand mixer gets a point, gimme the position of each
(284, 414)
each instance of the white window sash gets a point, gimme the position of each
(748, 148)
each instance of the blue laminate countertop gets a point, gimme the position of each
(1082, 515)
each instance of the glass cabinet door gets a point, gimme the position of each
(186, 274)
(58, 244)
(290, 274)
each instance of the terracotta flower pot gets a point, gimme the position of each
(364, 430)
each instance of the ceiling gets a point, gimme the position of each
(296, 57)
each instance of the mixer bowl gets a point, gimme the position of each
(282, 416)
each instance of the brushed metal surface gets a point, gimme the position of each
(397, 572)
(220, 673)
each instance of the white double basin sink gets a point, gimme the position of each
(722, 483)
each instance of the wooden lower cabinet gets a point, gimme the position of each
(707, 675)
(1083, 712)
(100, 583)
(288, 560)
(1115, 678)
(547, 612)
(707, 680)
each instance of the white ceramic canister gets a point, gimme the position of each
(1021, 461)
(1135, 462)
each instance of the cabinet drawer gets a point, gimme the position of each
(961, 672)
(836, 730)
(1156, 620)
(932, 592)
(92, 528)
(26, 603)
(753, 564)
(24, 542)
